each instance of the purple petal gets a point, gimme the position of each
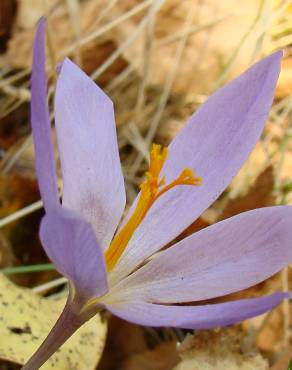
(71, 244)
(227, 257)
(40, 121)
(69, 321)
(195, 317)
(215, 143)
(92, 176)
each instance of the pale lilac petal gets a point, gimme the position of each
(195, 317)
(92, 176)
(40, 121)
(215, 143)
(231, 255)
(71, 244)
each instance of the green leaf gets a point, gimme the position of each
(27, 269)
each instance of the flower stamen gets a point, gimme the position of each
(151, 189)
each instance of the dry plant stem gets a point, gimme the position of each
(120, 78)
(7, 163)
(103, 13)
(20, 93)
(41, 289)
(170, 80)
(232, 59)
(10, 106)
(284, 106)
(74, 11)
(193, 30)
(137, 141)
(166, 91)
(4, 71)
(12, 79)
(273, 15)
(149, 35)
(24, 211)
(7, 103)
(283, 147)
(49, 34)
(126, 43)
(205, 43)
(282, 27)
(281, 11)
(284, 41)
(280, 35)
(132, 132)
(265, 20)
(86, 39)
(21, 213)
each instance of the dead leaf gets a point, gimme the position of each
(218, 349)
(283, 362)
(61, 36)
(259, 195)
(162, 357)
(271, 333)
(256, 164)
(26, 319)
(23, 243)
(117, 349)
(7, 257)
(196, 226)
(30, 11)
(16, 191)
(7, 13)
(205, 53)
(285, 78)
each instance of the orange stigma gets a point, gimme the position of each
(151, 189)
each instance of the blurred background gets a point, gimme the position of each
(158, 60)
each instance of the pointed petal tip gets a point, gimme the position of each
(40, 33)
(272, 62)
(69, 61)
(60, 65)
(70, 70)
(275, 58)
(267, 68)
(277, 55)
(42, 21)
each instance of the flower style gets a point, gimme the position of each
(109, 266)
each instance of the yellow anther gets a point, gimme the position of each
(158, 156)
(151, 189)
(187, 177)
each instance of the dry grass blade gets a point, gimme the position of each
(74, 11)
(166, 92)
(41, 289)
(21, 213)
(102, 30)
(155, 7)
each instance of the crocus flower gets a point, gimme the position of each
(107, 261)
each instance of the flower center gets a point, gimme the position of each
(151, 189)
